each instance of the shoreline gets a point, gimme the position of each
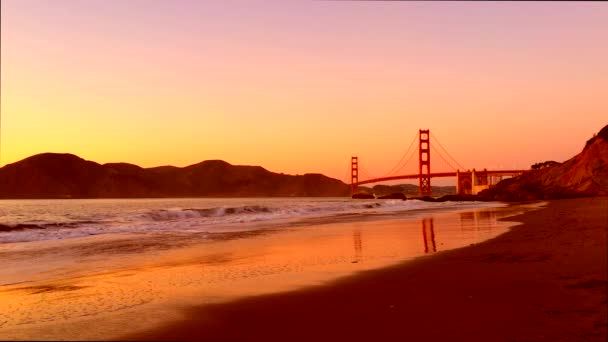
(120, 286)
(543, 280)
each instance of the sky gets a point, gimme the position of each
(301, 86)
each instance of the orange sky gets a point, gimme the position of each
(301, 86)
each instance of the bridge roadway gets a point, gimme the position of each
(444, 174)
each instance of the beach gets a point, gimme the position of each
(102, 269)
(544, 280)
(323, 269)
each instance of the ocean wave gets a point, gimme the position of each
(244, 216)
(28, 226)
(255, 210)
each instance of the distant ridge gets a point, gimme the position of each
(56, 175)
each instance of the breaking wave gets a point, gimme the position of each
(253, 212)
(26, 226)
(142, 217)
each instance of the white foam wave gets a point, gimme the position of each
(222, 218)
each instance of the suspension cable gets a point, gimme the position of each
(448, 153)
(396, 167)
(400, 164)
(441, 156)
(412, 154)
(366, 173)
(350, 175)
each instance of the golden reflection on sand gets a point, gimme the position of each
(138, 291)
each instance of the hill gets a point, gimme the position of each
(52, 175)
(407, 189)
(586, 174)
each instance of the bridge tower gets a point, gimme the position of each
(354, 174)
(425, 163)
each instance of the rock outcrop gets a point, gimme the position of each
(394, 195)
(409, 189)
(586, 174)
(362, 195)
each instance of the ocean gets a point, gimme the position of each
(38, 220)
(98, 269)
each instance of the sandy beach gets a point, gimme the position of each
(544, 280)
(105, 286)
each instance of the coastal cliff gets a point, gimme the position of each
(52, 175)
(586, 174)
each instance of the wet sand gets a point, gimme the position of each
(544, 280)
(103, 287)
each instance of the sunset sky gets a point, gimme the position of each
(300, 86)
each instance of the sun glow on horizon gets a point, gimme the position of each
(299, 87)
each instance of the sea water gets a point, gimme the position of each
(98, 269)
(37, 220)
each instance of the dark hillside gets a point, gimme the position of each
(52, 175)
(585, 174)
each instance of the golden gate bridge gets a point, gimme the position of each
(468, 182)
